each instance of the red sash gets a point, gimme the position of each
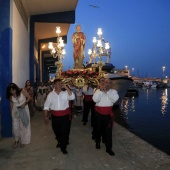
(88, 97)
(60, 112)
(106, 110)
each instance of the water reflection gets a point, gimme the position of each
(147, 116)
(128, 105)
(133, 104)
(125, 105)
(119, 117)
(164, 101)
(121, 113)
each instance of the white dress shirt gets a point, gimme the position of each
(59, 101)
(105, 99)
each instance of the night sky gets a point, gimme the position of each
(138, 32)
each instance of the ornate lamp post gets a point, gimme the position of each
(58, 51)
(98, 50)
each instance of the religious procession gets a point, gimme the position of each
(76, 92)
(81, 92)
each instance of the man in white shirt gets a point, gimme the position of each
(57, 103)
(104, 97)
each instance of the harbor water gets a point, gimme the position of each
(148, 116)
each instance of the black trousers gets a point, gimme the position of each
(61, 128)
(88, 106)
(103, 124)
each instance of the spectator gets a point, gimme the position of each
(19, 99)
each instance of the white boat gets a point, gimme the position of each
(119, 83)
(168, 84)
(154, 85)
(146, 84)
(149, 84)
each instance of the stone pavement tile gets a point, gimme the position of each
(132, 153)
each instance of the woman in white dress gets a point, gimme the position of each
(19, 99)
(41, 96)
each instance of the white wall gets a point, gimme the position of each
(20, 49)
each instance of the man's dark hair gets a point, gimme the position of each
(56, 80)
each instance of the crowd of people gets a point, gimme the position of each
(59, 103)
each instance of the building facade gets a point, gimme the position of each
(19, 48)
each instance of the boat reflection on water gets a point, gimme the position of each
(121, 113)
(128, 104)
(119, 117)
(148, 116)
(164, 102)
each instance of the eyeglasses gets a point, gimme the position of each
(11, 85)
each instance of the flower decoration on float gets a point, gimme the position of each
(86, 74)
(80, 77)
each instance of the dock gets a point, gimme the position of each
(131, 152)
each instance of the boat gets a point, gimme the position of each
(149, 84)
(120, 83)
(132, 92)
(154, 85)
(161, 85)
(168, 85)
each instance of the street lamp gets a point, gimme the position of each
(126, 67)
(163, 69)
(132, 71)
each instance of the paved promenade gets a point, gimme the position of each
(131, 153)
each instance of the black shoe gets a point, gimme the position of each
(93, 138)
(84, 123)
(58, 145)
(64, 151)
(110, 152)
(97, 145)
